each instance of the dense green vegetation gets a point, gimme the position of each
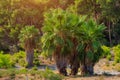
(5, 61)
(73, 32)
(19, 58)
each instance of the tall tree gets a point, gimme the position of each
(59, 39)
(90, 35)
(28, 37)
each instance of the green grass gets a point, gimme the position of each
(47, 74)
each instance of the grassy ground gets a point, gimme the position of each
(42, 73)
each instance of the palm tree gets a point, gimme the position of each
(28, 37)
(90, 35)
(57, 39)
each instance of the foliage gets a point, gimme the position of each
(58, 30)
(9, 61)
(90, 36)
(6, 61)
(28, 33)
(116, 51)
(19, 58)
(107, 52)
(48, 74)
(36, 58)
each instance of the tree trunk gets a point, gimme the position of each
(74, 59)
(62, 65)
(87, 64)
(61, 61)
(83, 66)
(109, 30)
(74, 62)
(29, 57)
(74, 65)
(83, 69)
(87, 69)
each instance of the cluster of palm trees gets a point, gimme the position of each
(72, 40)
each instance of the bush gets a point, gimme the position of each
(36, 58)
(49, 75)
(106, 51)
(109, 57)
(116, 51)
(8, 61)
(5, 61)
(19, 58)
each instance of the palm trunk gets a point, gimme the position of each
(74, 65)
(86, 63)
(87, 69)
(83, 69)
(29, 57)
(61, 61)
(83, 66)
(90, 69)
(74, 59)
(90, 65)
(74, 62)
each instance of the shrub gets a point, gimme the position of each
(19, 58)
(5, 61)
(36, 58)
(106, 51)
(35, 68)
(109, 57)
(49, 75)
(116, 51)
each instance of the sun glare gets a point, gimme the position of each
(41, 1)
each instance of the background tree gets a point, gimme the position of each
(110, 16)
(103, 11)
(28, 37)
(15, 14)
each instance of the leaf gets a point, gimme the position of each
(80, 47)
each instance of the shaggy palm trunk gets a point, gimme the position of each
(61, 61)
(83, 65)
(74, 61)
(86, 63)
(74, 65)
(87, 68)
(29, 57)
(90, 69)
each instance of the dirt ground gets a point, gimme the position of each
(95, 78)
(78, 78)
